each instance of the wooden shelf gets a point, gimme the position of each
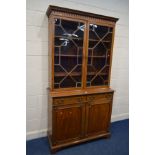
(60, 74)
(97, 56)
(107, 41)
(94, 73)
(76, 38)
(63, 55)
(68, 37)
(97, 40)
(94, 40)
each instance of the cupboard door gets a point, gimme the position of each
(68, 53)
(99, 55)
(98, 113)
(67, 123)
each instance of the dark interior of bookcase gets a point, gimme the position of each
(68, 54)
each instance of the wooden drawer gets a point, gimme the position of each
(69, 100)
(105, 97)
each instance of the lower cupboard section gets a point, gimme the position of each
(78, 119)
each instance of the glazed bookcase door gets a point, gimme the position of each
(68, 53)
(99, 55)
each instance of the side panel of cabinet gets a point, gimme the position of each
(68, 122)
(98, 114)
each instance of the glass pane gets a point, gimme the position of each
(100, 40)
(68, 53)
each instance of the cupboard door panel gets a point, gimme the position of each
(67, 123)
(98, 117)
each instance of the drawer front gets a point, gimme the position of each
(69, 100)
(105, 97)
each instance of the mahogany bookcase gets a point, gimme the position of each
(80, 59)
